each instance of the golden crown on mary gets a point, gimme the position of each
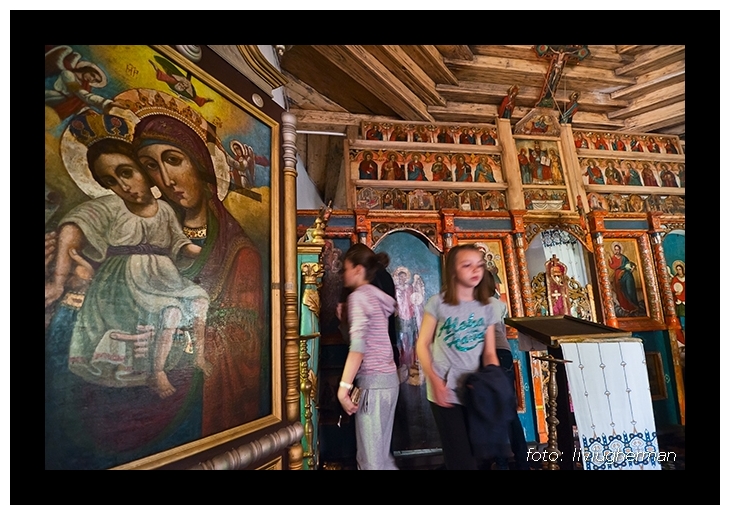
(90, 127)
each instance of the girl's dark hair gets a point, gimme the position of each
(361, 254)
(483, 291)
(109, 146)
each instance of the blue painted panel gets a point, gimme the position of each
(414, 427)
(666, 411)
(527, 418)
(625, 224)
(482, 224)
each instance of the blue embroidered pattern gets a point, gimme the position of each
(613, 452)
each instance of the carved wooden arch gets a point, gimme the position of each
(428, 231)
(532, 229)
(671, 227)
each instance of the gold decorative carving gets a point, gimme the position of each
(540, 301)
(311, 272)
(261, 66)
(429, 231)
(308, 393)
(315, 234)
(253, 451)
(311, 299)
(581, 301)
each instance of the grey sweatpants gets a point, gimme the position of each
(374, 420)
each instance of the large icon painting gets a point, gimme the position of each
(158, 259)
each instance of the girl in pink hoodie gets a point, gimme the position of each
(370, 359)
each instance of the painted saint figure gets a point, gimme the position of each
(648, 176)
(443, 136)
(594, 173)
(463, 170)
(374, 133)
(70, 81)
(667, 177)
(415, 168)
(177, 81)
(368, 169)
(624, 282)
(508, 103)
(405, 322)
(614, 177)
(525, 167)
(677, 284)
(391, 170)
(440, 171)
(556, 177)
(631, 176)
(483, 171)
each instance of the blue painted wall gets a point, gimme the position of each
(666, 411)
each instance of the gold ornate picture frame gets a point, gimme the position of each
(224, 378)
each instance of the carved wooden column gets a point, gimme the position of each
(668, 304)
(572, 174)
(511, 169)
(524, 275)
(596, 227)
(291, 276)
(516, 299)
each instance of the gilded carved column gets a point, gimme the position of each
(522, 265)
(516, 299)
(596, 226)
(291, 276)
(671, 318)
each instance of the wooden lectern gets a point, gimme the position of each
(602, 385)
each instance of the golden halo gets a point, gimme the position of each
(399, 270)
(679, 262)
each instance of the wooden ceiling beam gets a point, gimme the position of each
(310, 67)
(305, 96)
(308, 119)
(678, 129)
(654, 59)
(363, 67)
(633, 49)
(655, 121)
(483, 93)
(525, 52)
(487, 113)
(605, 57)
(455, 51)
(600, 56)
(533, 73)
(432, 62)
(595, 121)
(407, 71)
(652, 81)
(652, 101)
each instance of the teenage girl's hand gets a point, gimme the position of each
(441, 393)
(349, 407)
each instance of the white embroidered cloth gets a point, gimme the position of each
(610, 393)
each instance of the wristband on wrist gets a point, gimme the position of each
(346, 385)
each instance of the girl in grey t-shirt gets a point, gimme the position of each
(457, 335)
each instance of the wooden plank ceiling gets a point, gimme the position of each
(633, 88)
(332, 88)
